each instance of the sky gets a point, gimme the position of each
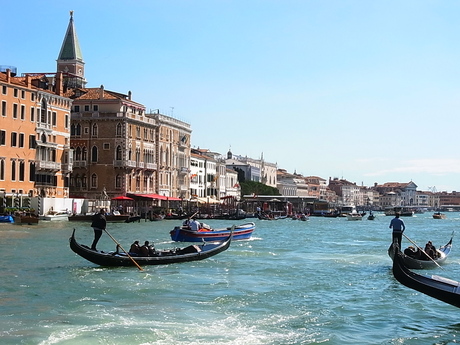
(367, 91)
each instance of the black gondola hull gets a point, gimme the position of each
(442, 289)
(112, 259)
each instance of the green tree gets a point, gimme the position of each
(257, 188)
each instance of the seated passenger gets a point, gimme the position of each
(431, 250)
(195, 225)
(410, 251)
(187, 222)
(144, 250)
(135, 249)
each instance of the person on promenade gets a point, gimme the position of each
(98, 224)
(398, 227)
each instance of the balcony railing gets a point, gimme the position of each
(48, 165)
(67, 167)
(79, 164)
(151, 166)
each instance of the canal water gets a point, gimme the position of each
(323, 281)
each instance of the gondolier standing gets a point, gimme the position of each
(98, 224)
(398, 228)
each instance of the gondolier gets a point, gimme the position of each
(98, 224)
(398, 227)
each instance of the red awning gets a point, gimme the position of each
(122, 197)
(156, 197)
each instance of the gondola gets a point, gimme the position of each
(441, 288)
(412, 263)
(161, 257)
(184, 234)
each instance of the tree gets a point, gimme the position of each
(257, 188)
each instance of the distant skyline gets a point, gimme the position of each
(363, 90)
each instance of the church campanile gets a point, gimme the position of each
(70, 59)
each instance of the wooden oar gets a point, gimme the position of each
(415, 244)
(119, 245)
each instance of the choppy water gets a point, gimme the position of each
(325, 281)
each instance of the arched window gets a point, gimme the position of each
(118, 182)
(72, 129)
(78, 130)
(93, 181)
(13, 171)
(83, 181)
(94, 130)
(119, 131)
(78, 154)
(118, 154)
(21, 170)
(31, 171)
(94, 154)
(78, 181)
(43, 112)
(84, 155)
(2, 169)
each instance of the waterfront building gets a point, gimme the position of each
(406, 193)
(449, 200)
(35, 156)
(317, 187)
(232, 187)
(285, 183)
(257, 170)
(173, 146)
(349, 193)
(118, 148)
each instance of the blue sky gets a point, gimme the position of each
(362, 90)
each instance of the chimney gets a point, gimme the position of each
(8, 75)
(59, 84)
(101, 92)
(129, 95)
(28, 81)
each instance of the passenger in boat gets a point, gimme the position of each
(398, 228)
(195, 225)
(98, 224)
(187, 222)
(431, 250)
(147, 249)
(412, 252)
(135, 248)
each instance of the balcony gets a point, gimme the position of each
(79, 164)
(183, 170)
(67, 167)
(151, 166)
(48, 165)
(124, 163)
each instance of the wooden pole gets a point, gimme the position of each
(415, 244)
(129, 256)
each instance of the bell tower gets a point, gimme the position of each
(70, 60)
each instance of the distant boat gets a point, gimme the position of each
(6, 219)
(354, 216)
(26, 219)
(403, 211)
(53, 216)
(439, 215)
(240, 232)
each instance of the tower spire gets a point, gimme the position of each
(70, 59)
